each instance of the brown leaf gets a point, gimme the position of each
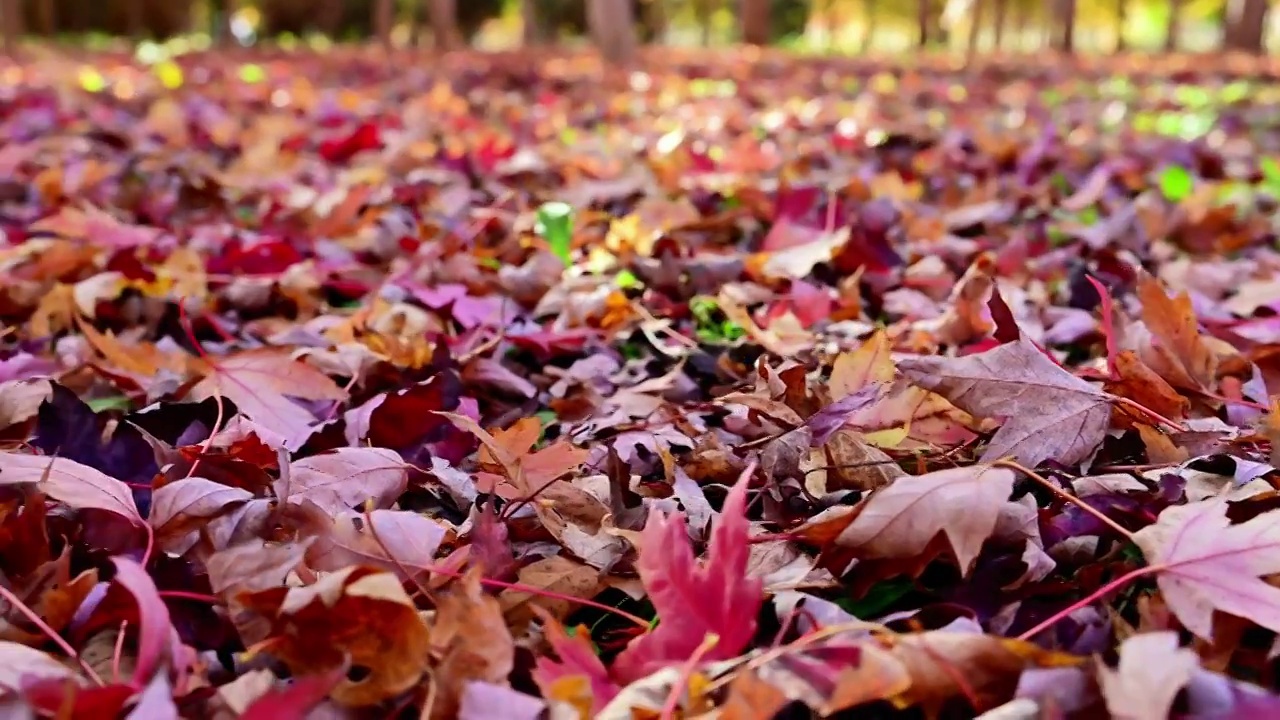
(557, 574)
(1048, 413)
(870, 363)
(853, 464)
(1144, 386)
(900, 520)
(1180, 354)
(356, 613)
(471, 639)
(751, 698)
(254, 566)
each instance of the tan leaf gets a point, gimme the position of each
(870, 363)
(558, 574)
(1048, 413)
(1180, 353)
(899, 521)
(1152, 670)
(471, 639)
(70, 483)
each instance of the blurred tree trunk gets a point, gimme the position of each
(1122, 20)
(329, 17)
(444, 24)
(1064, 25)
(134, 20)
(654, 17)
(12, 20)
(703, 10)
(870, 17)
(1246, 25)
(976, 17)
(923, 22)
(47, 17)
(384, 20)
(755, 21)
(222, 22)
(1000, 17)
(1021, 20)
(535, 30)
(612, 27)
(1174, 28)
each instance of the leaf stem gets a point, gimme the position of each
(1066, 496)
(57, 639)
(1143, 409)
(1095, 595)
(673, 698)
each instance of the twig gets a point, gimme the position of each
(1143, 409)
(1095, 595)
(50, 633)
(1066, 496)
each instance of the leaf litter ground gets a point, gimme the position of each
(733, 385)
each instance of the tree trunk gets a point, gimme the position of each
(1021, 20)
(444, 24)
(47, 17)
(1174, 28)
(134, 19)
(654, 17)
(702, 12)
(1001, 16)
(329, 17)
(1064, 19)
(755, 22)
(11, 10)
(384, 20)
(1246, 25)
(976, 13)
(222, 23)
(923, 22)
(612, 28)
(1122, 20)
(870, 16)
(535, 31)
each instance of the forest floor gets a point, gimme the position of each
(730, 385)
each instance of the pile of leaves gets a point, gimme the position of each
(735, 385)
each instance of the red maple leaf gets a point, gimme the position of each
(694, 600)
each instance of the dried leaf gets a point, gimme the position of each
(345, 478)
(1047, 412)
(899, 521)
(1153, 670)
(75, 485)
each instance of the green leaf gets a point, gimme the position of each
(113, 402)
(555, 225)
(878, 600)
(626, 279)
(1271, 172)
(1176, 183)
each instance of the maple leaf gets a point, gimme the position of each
(75, 485)
(345, 478)
(1153, 669)
(695, 599)
(576, 661)
(1179, 354)
(901, 519)
(1204, 563)
(1048, 413)
(260, 383)
(357, 615)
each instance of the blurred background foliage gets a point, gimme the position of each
(803, 25)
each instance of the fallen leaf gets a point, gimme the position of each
(900, 520)
(1047, 412)
(1180, 353)
(1204, 563)
(260, 383)
(727, 599)
(345, 478)
(1153, 669)
(75, 485)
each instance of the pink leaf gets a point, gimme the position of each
(260, 383)
(155, 702)
(345, 478)
(19, 664)
(177, 506)
(70, 483)
(692, 599)
(155, 630)
(297, 699)
(577, 659)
